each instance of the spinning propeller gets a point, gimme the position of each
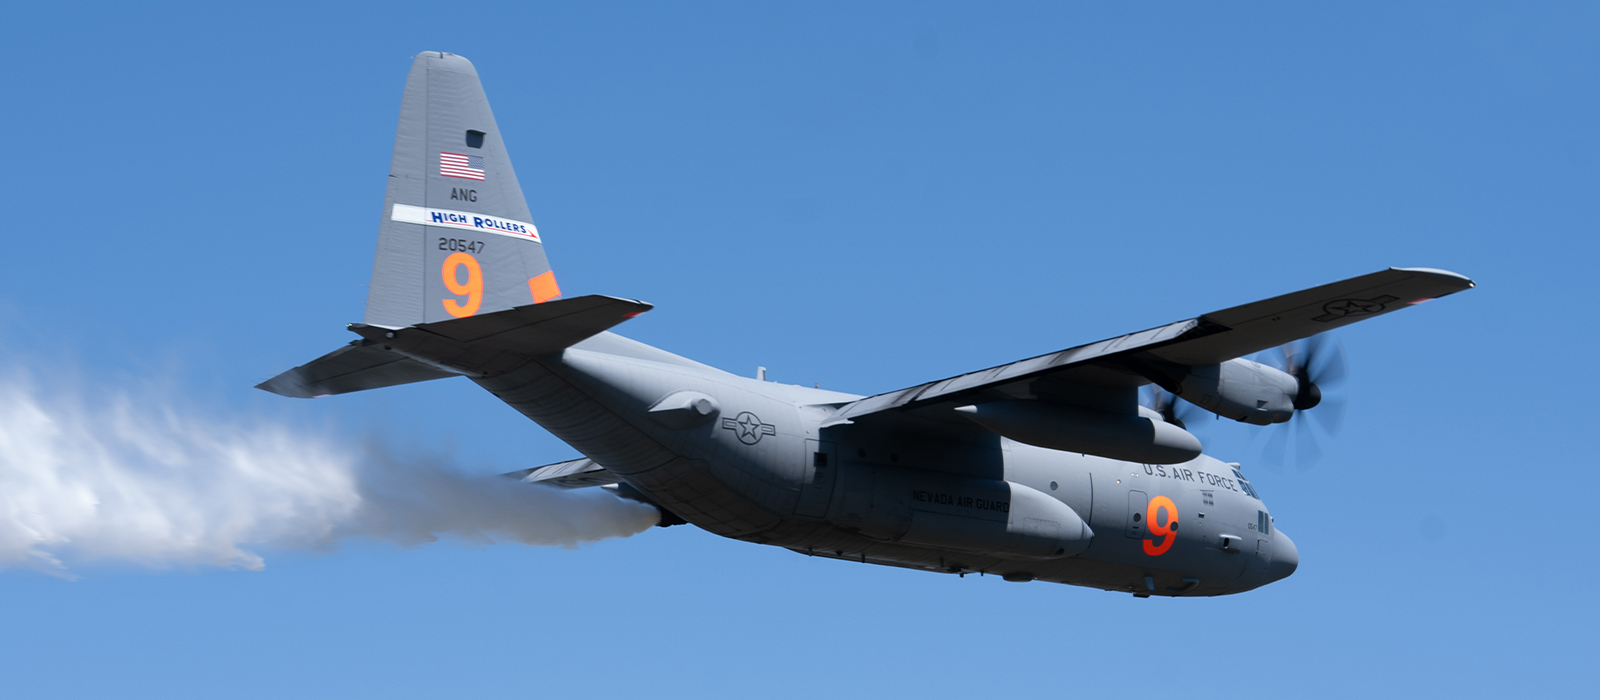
(1318, 363)
(1173, 411)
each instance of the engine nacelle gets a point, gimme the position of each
(943, 511)
(1133, 438)
(1243, 390)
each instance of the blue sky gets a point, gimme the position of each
(863, 196)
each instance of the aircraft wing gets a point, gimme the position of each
(1106, 375)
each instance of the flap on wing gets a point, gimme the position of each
(1100, 375)
(354, 367)
(571, 474)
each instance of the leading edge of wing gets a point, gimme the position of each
(1268, 323)
(1215, 337)
(923, 394)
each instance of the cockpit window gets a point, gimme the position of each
(1244, 484)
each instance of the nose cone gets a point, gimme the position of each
(1285, 558)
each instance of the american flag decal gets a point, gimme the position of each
(462, 166)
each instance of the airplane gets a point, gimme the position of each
(1049, 468)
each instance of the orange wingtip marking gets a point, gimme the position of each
(544, 287)
(632, 314)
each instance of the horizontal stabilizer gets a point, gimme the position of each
(354, 367)
(572, 474)
(489, 344)
(482, 345)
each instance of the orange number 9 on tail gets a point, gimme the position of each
(472, 290)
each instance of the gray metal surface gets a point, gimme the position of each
(443, 102)
(354, 367)
(1100, 492)
(493, 343)
(1210, 339)
(571, 474)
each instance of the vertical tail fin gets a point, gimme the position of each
(456, 238)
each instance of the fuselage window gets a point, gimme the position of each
(1263, 523)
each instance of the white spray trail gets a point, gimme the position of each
(125, 478)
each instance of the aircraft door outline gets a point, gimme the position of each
(1138, 501)
(816, 485)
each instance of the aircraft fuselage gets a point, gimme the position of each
(767, 467)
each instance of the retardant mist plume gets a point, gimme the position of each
(122, 477)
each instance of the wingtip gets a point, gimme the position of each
(1439, 273)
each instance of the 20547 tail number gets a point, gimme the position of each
(462, 245)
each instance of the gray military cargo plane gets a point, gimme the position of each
(1045, 469)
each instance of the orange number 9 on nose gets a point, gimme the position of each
(1167, 531)
(472, 290)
